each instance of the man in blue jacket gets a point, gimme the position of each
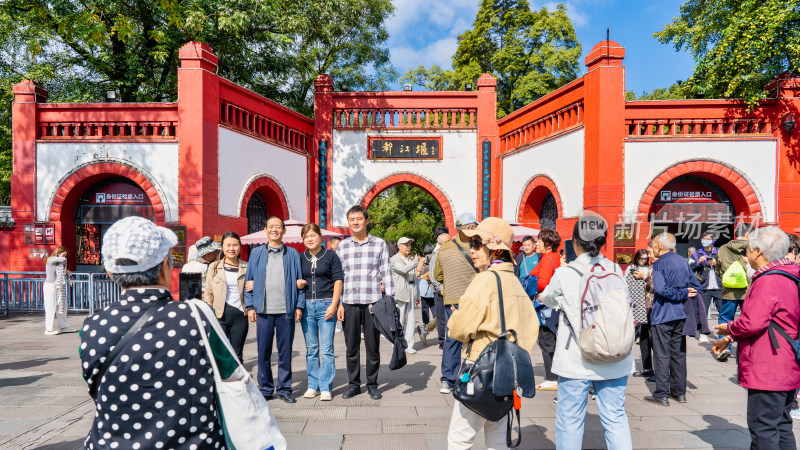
(275, 304)
(673, 283)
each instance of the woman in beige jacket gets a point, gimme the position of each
(477, 320)
(224, 291)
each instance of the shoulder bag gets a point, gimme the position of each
(245, 417)
(489, 385)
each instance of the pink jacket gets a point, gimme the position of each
(770, 297)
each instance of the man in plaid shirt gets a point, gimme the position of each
(365, 261)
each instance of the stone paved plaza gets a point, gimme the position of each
(45, 405)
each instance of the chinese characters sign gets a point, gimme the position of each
(402, 147)
(40, 234)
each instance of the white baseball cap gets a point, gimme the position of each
(404, 240)
(139, 240)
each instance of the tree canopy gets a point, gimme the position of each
(79, 49)
(739, 45)
(406, 210)
(531, 53)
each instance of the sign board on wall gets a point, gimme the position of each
(39, 234)
(179, 252)
(403, 147)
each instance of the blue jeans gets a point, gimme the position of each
(319, 333)
(571, 412)
(728, 311)
(451, 354)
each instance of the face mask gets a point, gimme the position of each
(706, 243)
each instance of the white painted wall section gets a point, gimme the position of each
(561, 160)
(353, 174)
(56, 161)
(754, 160)
(243, 159)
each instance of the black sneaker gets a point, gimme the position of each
(351, 392)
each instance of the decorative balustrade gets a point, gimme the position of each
(253, 123)
(697, 127)
(107, 130)
(405, 118)
(542, 127)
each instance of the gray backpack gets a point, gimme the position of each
(606, 329)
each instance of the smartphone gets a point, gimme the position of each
(569, 251)
(561, 252)
(191, 286)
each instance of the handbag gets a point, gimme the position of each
(244, 415)
(503, 370)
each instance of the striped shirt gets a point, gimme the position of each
(365, 265)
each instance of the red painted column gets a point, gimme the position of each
(488, 129)
(323, 130)
(198, 121)
(604, 117)
(24, 128)
(788, 191)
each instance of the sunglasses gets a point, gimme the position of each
(475, 244)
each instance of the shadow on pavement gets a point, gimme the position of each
(21, 381)
(28, 363)
(68, 445)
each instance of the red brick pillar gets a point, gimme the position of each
(198, 122)
(488, 130)
(604, 117)
(788, 107)
(24, 129)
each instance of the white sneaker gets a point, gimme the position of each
(445, 389)
(310, 393)
(410, 350)
(52, 332)
(68, 330)
(548, 386)
(703, 339)
(325, 396)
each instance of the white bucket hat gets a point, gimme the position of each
(139, 240)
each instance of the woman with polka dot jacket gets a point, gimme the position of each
(158, 392)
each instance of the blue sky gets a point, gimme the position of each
(426, 32)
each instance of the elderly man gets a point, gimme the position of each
(673, 283)
(275, 304)
(143, 390)
(455, 271)
(404, 274)
(767, 364)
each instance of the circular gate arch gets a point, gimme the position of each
(414, 180)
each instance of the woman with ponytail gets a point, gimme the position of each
(576, 375)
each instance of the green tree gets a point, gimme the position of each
(739, 45)
(530, 53)
(79, 49)
(406, 210)
(674, 92)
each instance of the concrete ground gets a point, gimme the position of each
(44, 403)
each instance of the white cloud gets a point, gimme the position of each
(438, 52)
(425, 31)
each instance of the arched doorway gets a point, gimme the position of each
(540, 204)
(411, 207)
(76, 204)
(695, 197)
(263, 198)
(101, 205)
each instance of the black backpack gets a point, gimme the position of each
(774, 327)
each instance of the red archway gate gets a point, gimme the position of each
(419, 182)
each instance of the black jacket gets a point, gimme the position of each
(387, 321)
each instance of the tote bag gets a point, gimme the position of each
(245, 417)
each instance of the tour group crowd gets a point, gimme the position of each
(157, 390)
